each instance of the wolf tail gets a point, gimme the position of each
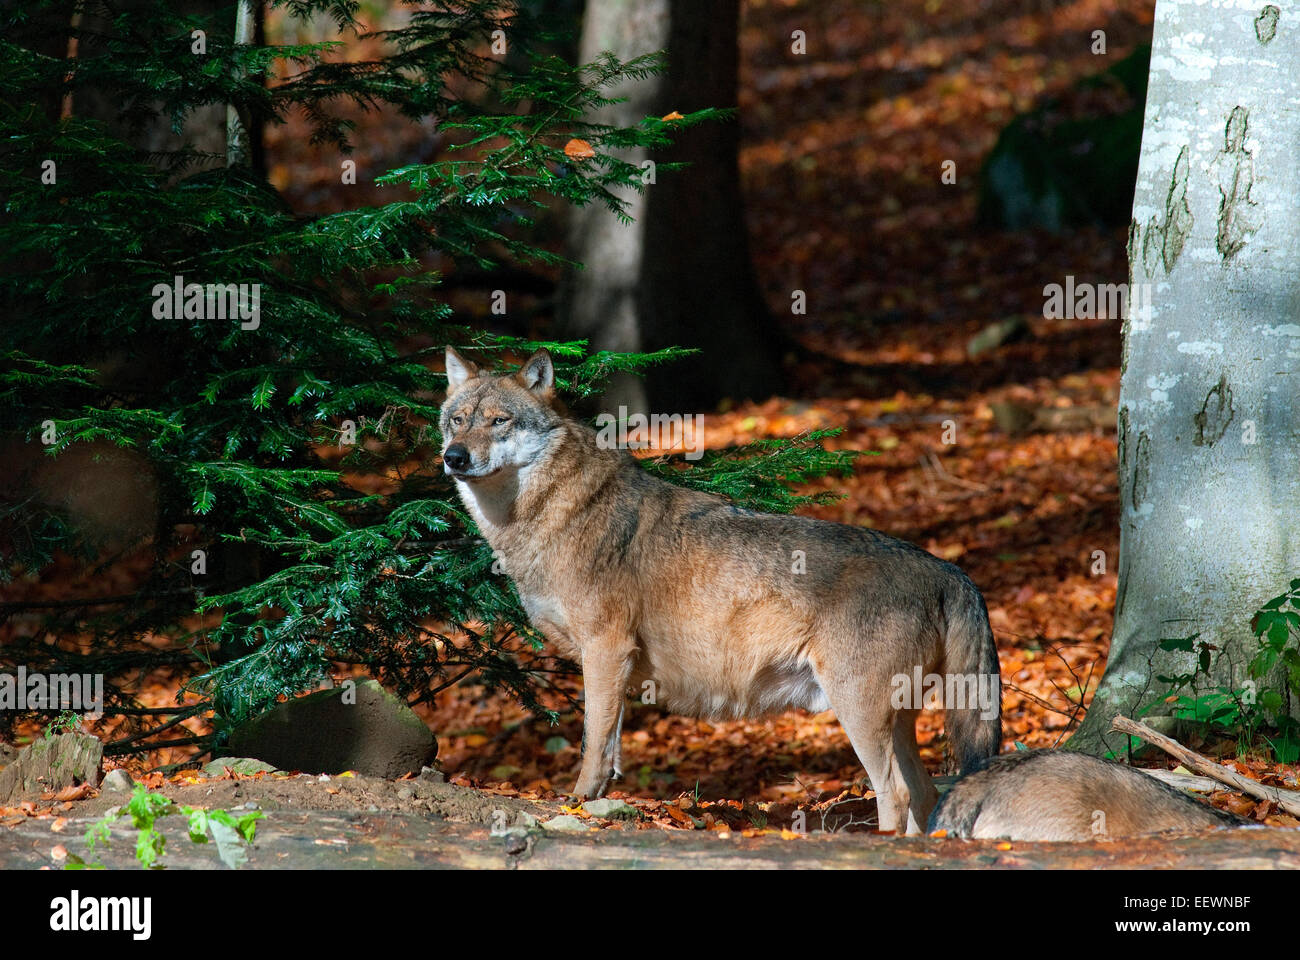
(975, 726)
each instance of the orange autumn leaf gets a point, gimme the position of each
(78, 792)
(677, 814)
(577, 149)
(672, 116)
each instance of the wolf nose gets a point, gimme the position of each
(456, 456)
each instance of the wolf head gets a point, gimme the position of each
(494, 425)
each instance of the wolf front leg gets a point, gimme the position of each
(606, 668)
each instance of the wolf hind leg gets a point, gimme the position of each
(870, 724)
(922, 795)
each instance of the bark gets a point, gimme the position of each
(238, 150)
(1208, 427)
(50, 765)
(680, 275)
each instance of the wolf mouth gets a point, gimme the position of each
(463, 475)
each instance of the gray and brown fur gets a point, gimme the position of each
(642, 580)
(1056, 795)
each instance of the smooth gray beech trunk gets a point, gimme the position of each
(238, 151)
(680, 274)
(1209, 417)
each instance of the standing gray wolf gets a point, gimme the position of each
(1059, 795)
(721, 612)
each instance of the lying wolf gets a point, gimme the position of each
(721, 612)
(1058, 795)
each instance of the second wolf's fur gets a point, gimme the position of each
(1055, 795)
(716, 611)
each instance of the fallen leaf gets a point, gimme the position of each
(577, 149)
(79, 791)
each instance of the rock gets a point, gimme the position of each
(117, 781)
(357, 726)
(608, 809)
(430, 775)
(241, 765)
(996, 334)
(1018, 418)
(50, 765)
(405, 793)
(525, 820)
(1013, 418)
(566, 824)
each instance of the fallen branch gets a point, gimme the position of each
(1288, 800)
(1183, 781)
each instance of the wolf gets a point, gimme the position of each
(1057, 795)
(718, 611)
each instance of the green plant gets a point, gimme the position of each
(1276, 626)
(1261, 702)
(1230, 711)
(146, 808)
(65, 722)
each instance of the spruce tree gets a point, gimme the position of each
(250, 428)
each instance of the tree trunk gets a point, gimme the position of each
(238, 151)
(680, 275)
(1208, 424)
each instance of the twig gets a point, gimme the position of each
(1045, 704)
(941, 472)
(1183, 781)
(184, 715)
(182, 742)
(1288, 800)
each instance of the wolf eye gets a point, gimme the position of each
(500, 420)
(457, 421)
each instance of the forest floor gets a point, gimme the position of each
(840, 163)
(359, 822)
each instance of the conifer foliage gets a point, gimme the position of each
(254, 362)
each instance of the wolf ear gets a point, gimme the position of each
(538, 373)
(459, 369)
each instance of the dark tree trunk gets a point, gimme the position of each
(681, 274)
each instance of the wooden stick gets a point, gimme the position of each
(1288, 800)
(1183, 781)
